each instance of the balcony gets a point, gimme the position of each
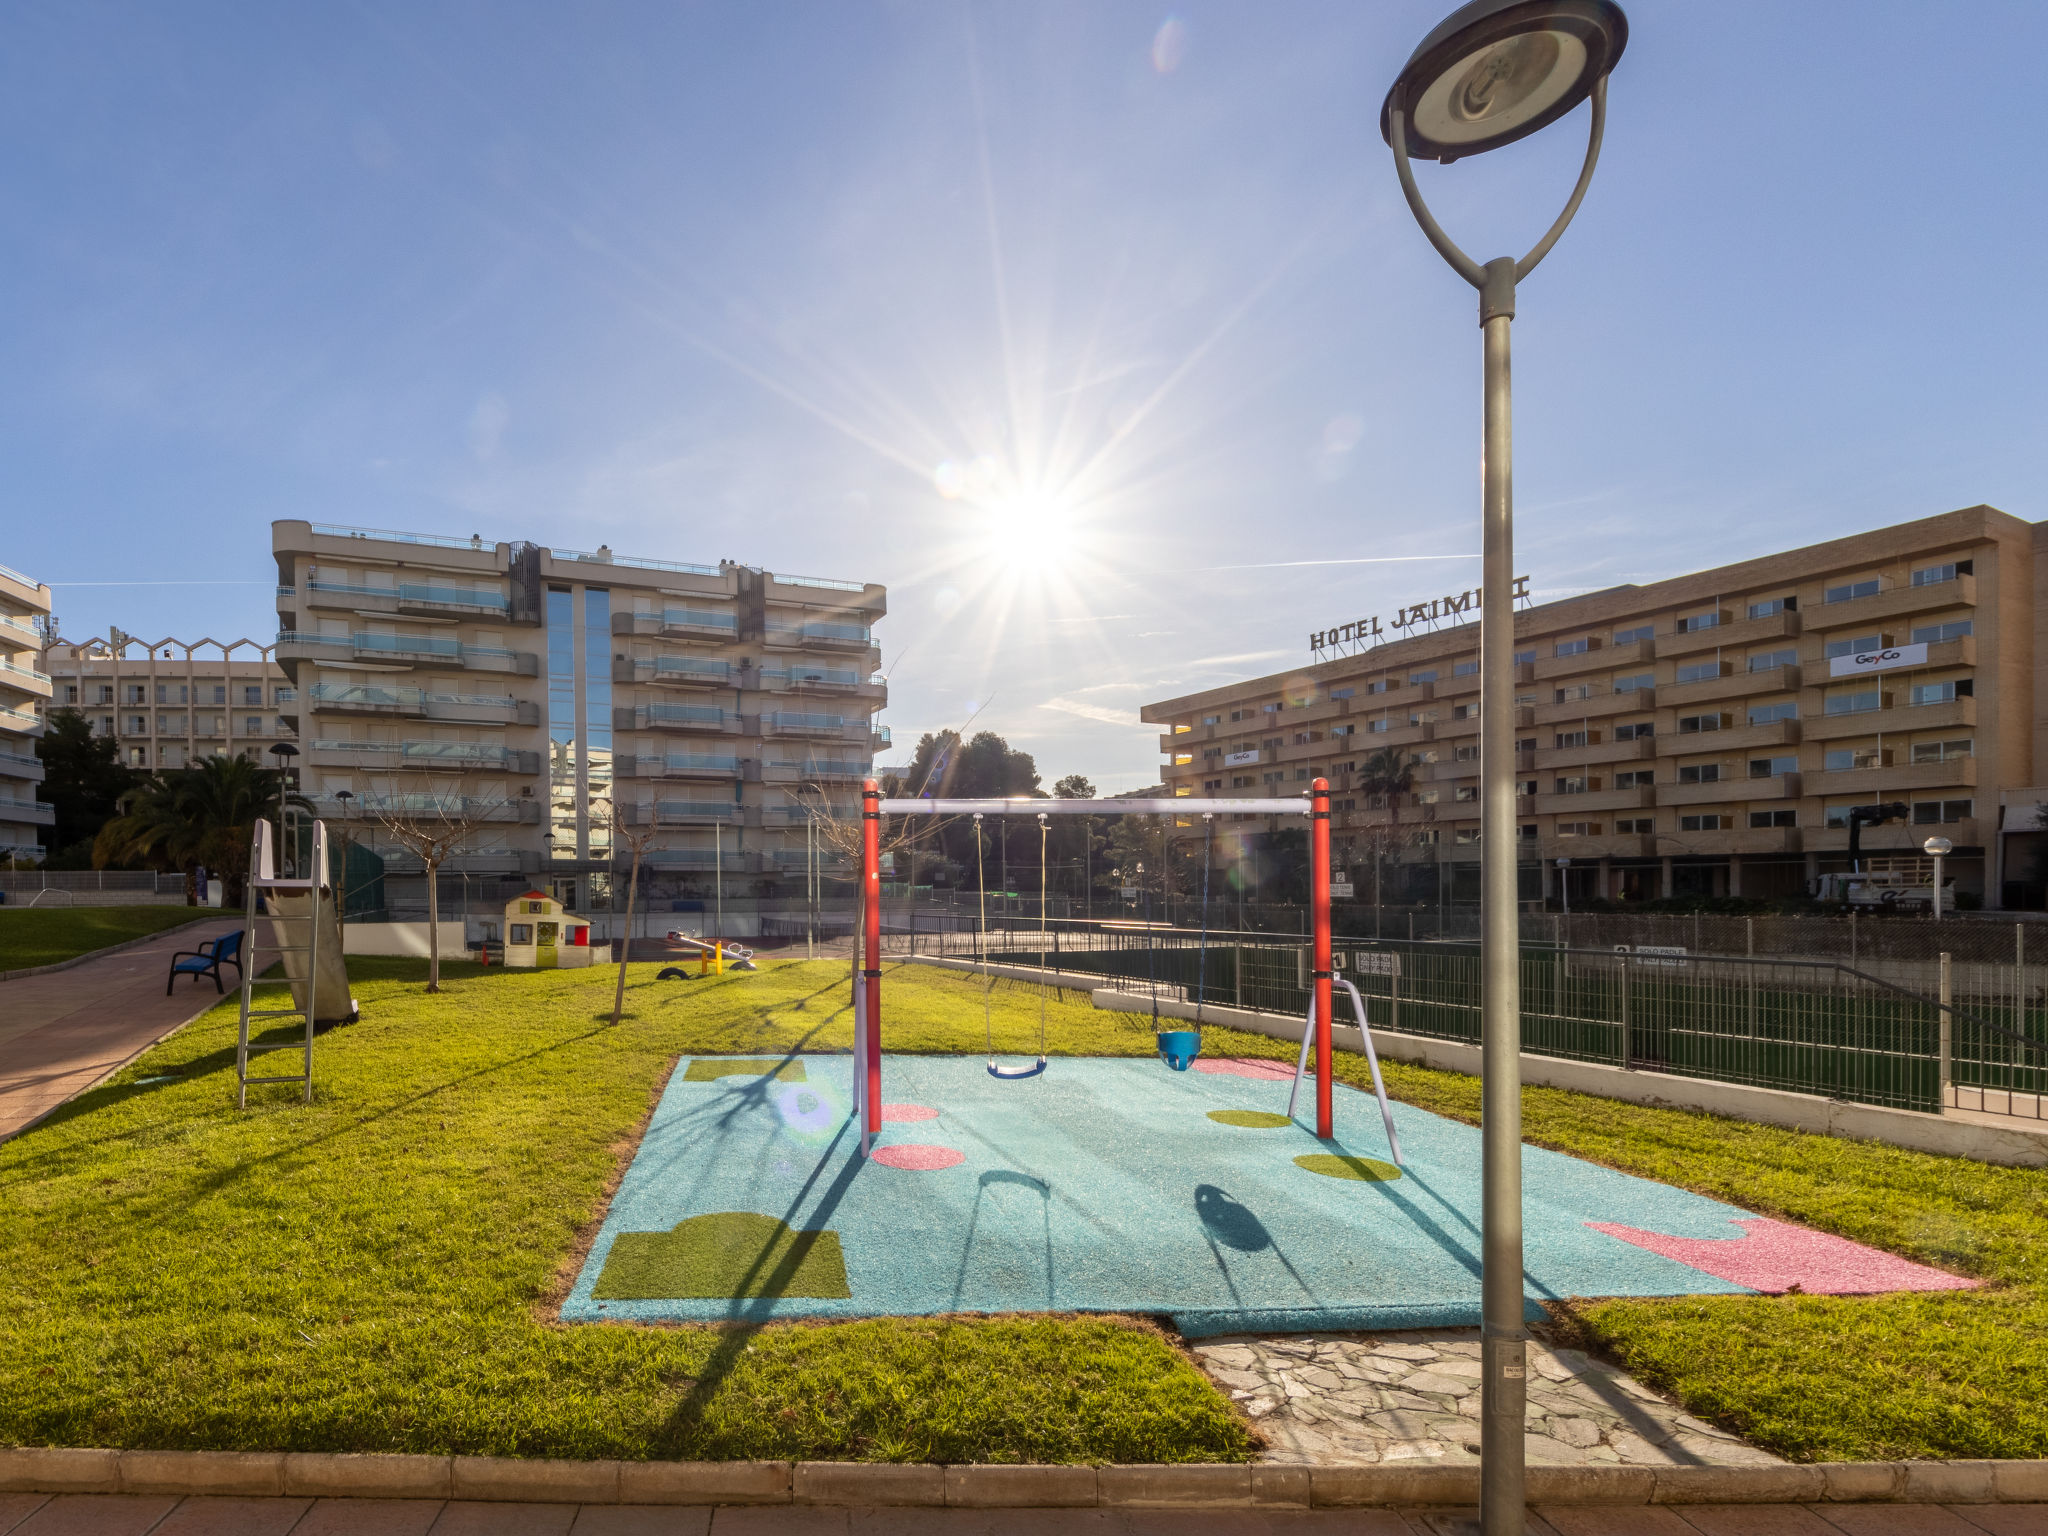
(426, 756)
(13, 628)
(1613, 845)
(673, 671)
(797, 678)
(682, 813)
(1642, 749)
(781, 635)
(403, 651)
(1601, 658)
(15, 766)
(1895, 836)
(699, 624)
(815, 771)
(20, 720)
(1730, 791)
(1401, 735)
(32, 812)
(1754, 841)
(379, 702)
(866, 597)
(1897, 601)
(24, 680)
(1731, 685)
(1737, 634)
(731, 861)
(1456, 684)
(696, 718)
(780, 722)
(1596, 802)
(678, 765)
(427, 599)
(1897, 781)
(1634, 701)
(363, 811)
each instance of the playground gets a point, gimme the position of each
(1118, 1186)
(406, 1244)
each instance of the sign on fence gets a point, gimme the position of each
(1341, 889)
(1374, 962)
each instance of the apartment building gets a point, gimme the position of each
(24, 691)
(169, 703)
(709, 703)
(1703, 735)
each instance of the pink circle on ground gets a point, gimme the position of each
(919, 1159)
(1242, 1066)
(901, 1112)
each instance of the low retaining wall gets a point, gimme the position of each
(402, 939)
(2014, 1146)
(898, 1485)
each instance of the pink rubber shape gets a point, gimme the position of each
(1242, 1066)
(904, 1112)
(917, 1158)
(1775, 1256)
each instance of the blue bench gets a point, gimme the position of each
(207, 960)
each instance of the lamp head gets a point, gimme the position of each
(1935, 847)
(1495, 71)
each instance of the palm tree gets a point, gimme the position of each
(205, 814)
(1389, 773)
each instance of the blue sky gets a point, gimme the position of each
(1082, 325)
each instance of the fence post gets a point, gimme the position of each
(2019, 981)
(1749, 953)
(1947, 1028)
(1627, 1051)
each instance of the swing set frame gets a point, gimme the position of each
(1315, 805)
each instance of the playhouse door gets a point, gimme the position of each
(546, 936)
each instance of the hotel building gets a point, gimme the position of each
(168, 703)
(24, 691)
(1702, 735)
(710, 703)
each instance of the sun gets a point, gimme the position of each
(1028, 531)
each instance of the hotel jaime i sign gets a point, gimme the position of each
(1363, 634)
(1880, 660)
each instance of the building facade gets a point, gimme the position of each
(24, 693)
(711, 705)
(169, 703)
(1705, 735)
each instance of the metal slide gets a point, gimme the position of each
(300, 920)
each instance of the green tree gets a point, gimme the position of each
(205, 814)
(1389, 773)
(984, 767)
(84, 780)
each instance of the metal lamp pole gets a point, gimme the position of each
(1493, 72)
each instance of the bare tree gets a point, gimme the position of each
(619, 821)
(433, 827)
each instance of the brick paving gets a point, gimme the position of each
(1362, 1398)
(148, 1515)
(60, 1033)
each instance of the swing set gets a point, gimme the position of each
(1178, 1048)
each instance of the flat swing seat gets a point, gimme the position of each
(1012, 1074)
(1179, 1047)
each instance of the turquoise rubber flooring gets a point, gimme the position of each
(1103, 1185)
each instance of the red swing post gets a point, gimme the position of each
(871, 944)
(1323, 973)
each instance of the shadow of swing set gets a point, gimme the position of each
(1178, 1048)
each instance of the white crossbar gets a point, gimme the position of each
(1176, 807)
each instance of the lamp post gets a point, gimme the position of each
(284, 752)
(341, 903)
(1493, 72)
(1937, 849)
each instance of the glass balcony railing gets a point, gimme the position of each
(389, 536)
(407, 645)
(834, 677)
(696, 810)
(700, 618)
(690, 667)
(787, 720)
(689, 762)
(709, 716)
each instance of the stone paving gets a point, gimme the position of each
(1358, 1398)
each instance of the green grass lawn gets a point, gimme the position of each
(378, 1271)
(32, 936)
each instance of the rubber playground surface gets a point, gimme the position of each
(1116, 1185)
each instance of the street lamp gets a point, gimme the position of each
(341, 906)
(1493, 72)
(1937, 849)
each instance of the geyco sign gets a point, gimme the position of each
(1367, 631)
(1878, 661)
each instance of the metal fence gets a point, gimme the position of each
(1805, 1025)
(90, 887)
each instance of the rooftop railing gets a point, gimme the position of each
(393, 536)
(14, 575)
(826, 582)
(592, 557)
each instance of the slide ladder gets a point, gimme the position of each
(305, 938)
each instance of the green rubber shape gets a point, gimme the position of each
(1332, 1165)
(709, 1069)
(725, 1254)
(1251, 1119)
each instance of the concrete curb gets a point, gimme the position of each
(850, 1484)
(2015, 1146)
(114, 949)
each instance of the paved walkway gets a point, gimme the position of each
(1353, 1399)
(25, 1514)
(60, 1033)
